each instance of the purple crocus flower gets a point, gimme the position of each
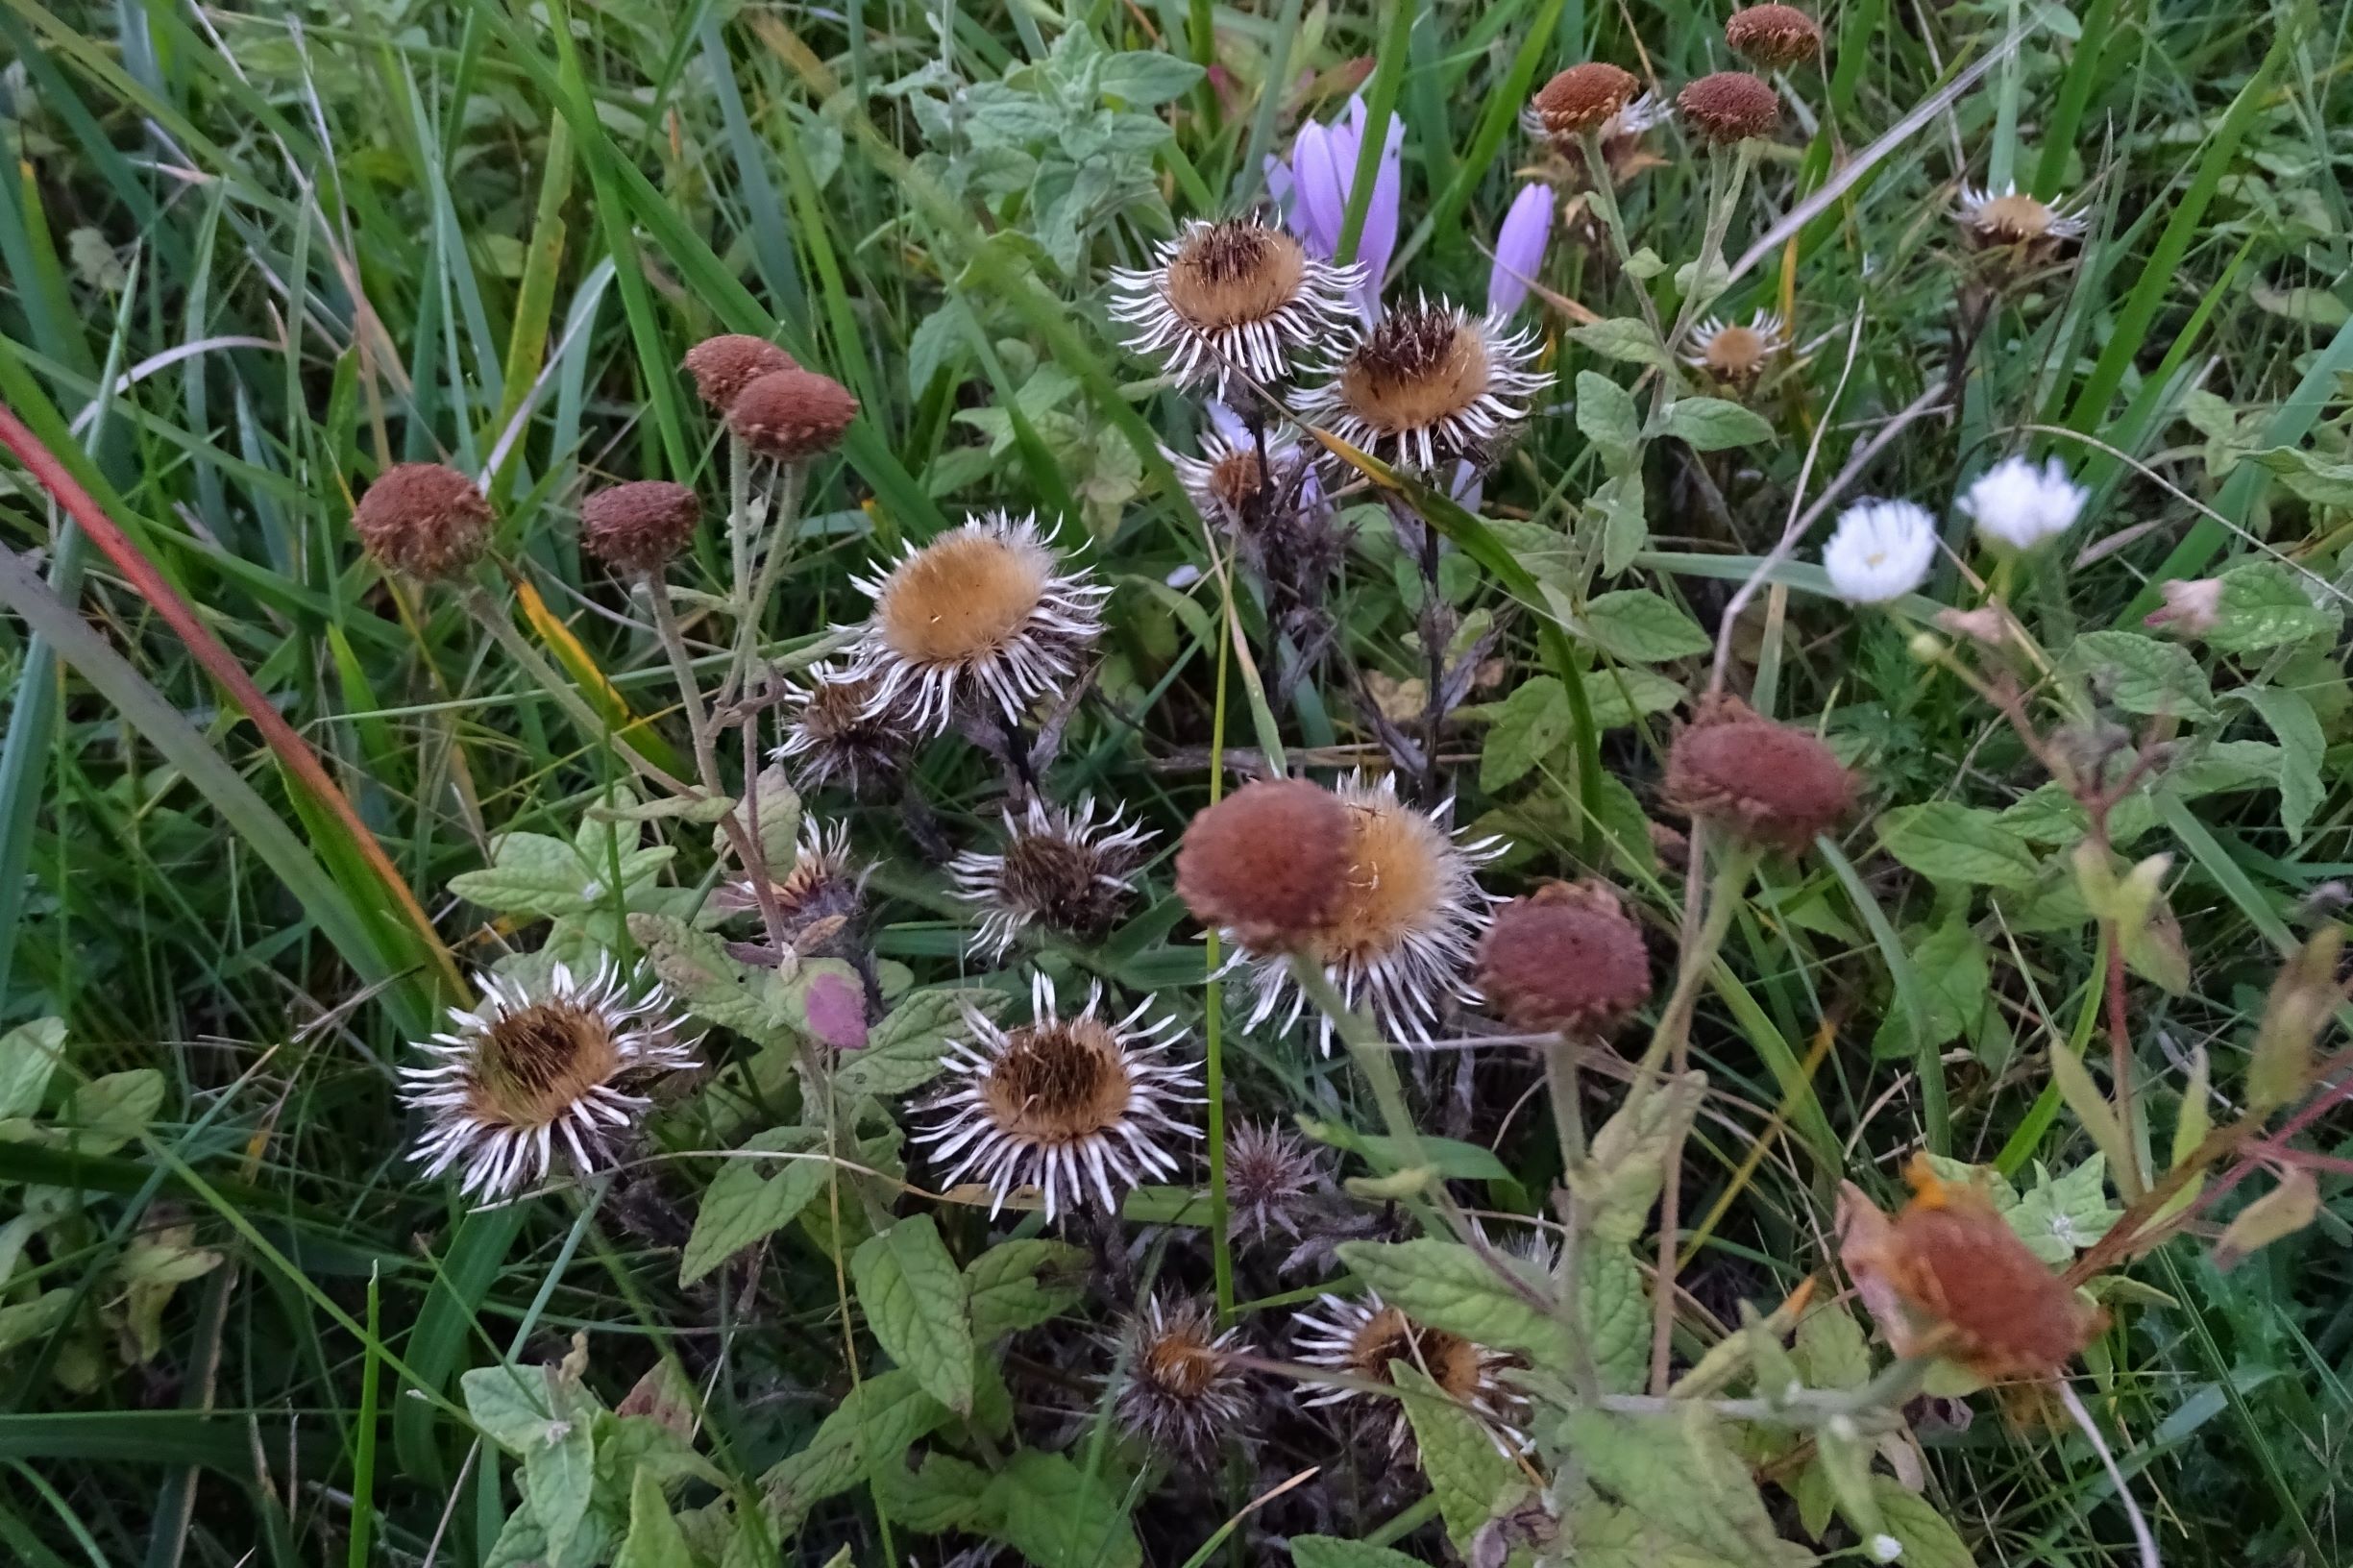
(1519, 249)
(1313, 188)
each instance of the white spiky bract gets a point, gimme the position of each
(1404, 961)
(1201, 475)
(1061, 1105)
(1226, 299)
(1428, 386)
(2020, 507)
(1880, 550)
(830, 737)
(1179, 1392)
(1360, 1336)
(2007, 216)
(1054, 858)
(535, 1062)
(985, 610)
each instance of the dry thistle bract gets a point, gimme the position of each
(792, 414)
(1729, 107)
(1774, 35)
(1268, 864)
(724, 365)
(1584, 98)
(1766, 782)
(1565, 957)
(424, 518)
(637, 528)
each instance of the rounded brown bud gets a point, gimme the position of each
(1584, 98)
(1729, 107)
(424, 518)
(724, 365)
(1774, 35)
(1766, 782)
(1565, 957)
(635, 529)
(1268, 863)
(792, 414)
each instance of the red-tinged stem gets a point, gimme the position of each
(292, 752)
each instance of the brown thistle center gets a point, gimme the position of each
(1453, 1363)
(1056, 877)
(538, 1062)
(1234, 273)
(1237, 479)
(2014, 219)
(1417, 369)
(963, 597)
(1735, 353)
(1057, 1083)
(836, 710)
(1396, 881)
(1179, 1361)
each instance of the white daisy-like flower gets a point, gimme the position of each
(1736, 352)
(1880, 550)
(1362, 1335)
(1429, 385)
(2009, 216)
(1406, 926)
(1063, 1105)
(538, 1062)
(1180, 1392)
(2020, 507)
(831, 738)
(985, 612)
(1227, 483)
(1059, 868)
(1233, 296)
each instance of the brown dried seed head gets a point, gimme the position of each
(1774, 35)
(1235, 273)
(1268, 863)
(792, 414)
(424, 518)
(723, 366)
(1729, 106)
(1584, 97)
(1736, 354)
(1768, 783)
(1565, 957)
(635, 529)
(1420, 366)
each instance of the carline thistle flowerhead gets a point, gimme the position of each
(538, 1060)
(2018, 507)
(1230, 298)
(832, 738)
(1736, 352)
(1880, 552)
(1059, 868)
(1362, 1335)
(1227, 483)
(1065, 1105)
(1431, 384)
(985, 613)
(2012, 218)
(1180, 1392)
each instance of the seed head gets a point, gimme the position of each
(1565, 957)
(1584, 98)
(1182, 1393)
(792, 414)
(1268, 863)
(1775, 36)
(724, 365)
(635, 529)
(1729, 106)
(1268, 1171)
(1768, 783)
(424, 518)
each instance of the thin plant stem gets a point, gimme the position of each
(1604, 196)
(2141, 1535)
(1569, 1122)
(1370, 1053)
(1212, 1024)
(784, 519)
(1727, 173)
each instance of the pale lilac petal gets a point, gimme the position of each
(1519, 249)
(1378, 240)
(1228, 425)
(1469, 488)
(1319, 202)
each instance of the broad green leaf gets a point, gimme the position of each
(1831, 1349)
(530, 875)
(523, 1408)
(1058, 1516)
(2262, 605)
(28, 1054)
(1617, 1315)
(654, 1540)
(1626, 1166)
(777, 805)
(1449, 1157)
(1529, 725)
(2091, 1107)
(1447, 1285)
(2059, 1216)
(1677, 1474)
(1145, 77)
(1951, 962)
(1607, 416)
(1019, 1285)
(712, 985)
(559, 1480)
(108, 1113)
(1947, 842)
(874, 1425)
(1623, 339)
(903, 1052)
(2301, 744)
(749, 1199)
(1712, 424)
(2310, 477)
(947, 1493)
(2142, 675)
(1609, 1535)
(1623, 694)
(1626, 526)
(28, 1320)
(1468, 1472)
(1927, 1539)
(1329, 1551)
(913, 1298)
(1639, 626)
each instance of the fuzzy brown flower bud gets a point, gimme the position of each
(1268, 863)
(1768, 783)
(1584, 98)
(1774, 35)
(792, 414)
(723, 366)
(1565, 957)
(1729, 106)
(635, 529)
(425, 518)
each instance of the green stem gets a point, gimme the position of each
(1214, 1075)
(784, 519)
(1370, 1051)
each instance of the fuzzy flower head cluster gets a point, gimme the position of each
(2020, 507)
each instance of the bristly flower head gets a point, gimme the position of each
(535, 1062)
(1361, 1336)
(833, 736)
(1228, 298)
(1729, 106)
(1410, 913)
(1429, 385)
(2018, 507)
(824, 890)
(1181, 1393)
(1229, 484)
(1565, 957)
(1065, 1105)
(724, 365)
(1734, 354)
(1582, 98)
(1268, 864)
(425, 518)
(1765, 782)
(1775, 36)
(792, 415)
(2011, 218)
(1880, 550)
(984, 613)
(637, 528)
(1269, 1171)
(1059, 868)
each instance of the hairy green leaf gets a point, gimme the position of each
(913, 1298)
